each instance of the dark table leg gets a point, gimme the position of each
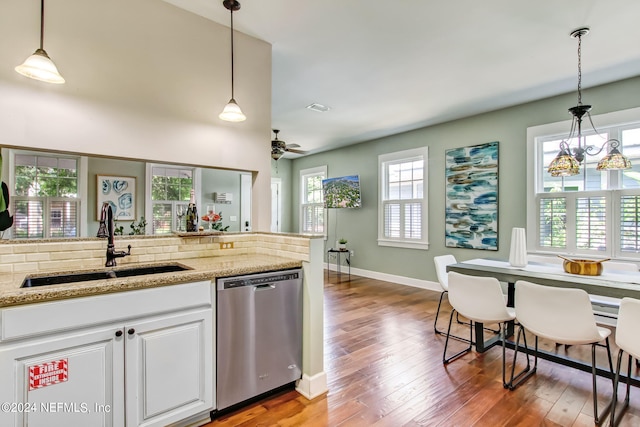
(483, 345)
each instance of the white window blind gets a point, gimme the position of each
(591, 223)
(630, 224)
(402, 207)
(45, 201)
(553, 220)
(312, 211)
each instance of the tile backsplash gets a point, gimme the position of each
(51, 255)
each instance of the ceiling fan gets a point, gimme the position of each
(279, 147)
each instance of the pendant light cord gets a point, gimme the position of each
(232, 94)
(41, 24)
(579, 69)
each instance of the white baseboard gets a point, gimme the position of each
(402, 280)
(314, 386)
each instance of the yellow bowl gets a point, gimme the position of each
(585, 267)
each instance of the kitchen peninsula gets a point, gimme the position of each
(129, 305)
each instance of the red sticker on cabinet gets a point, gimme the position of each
(48, 373)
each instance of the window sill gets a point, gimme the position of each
(403, 244)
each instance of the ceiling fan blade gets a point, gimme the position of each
(293, 150)
(293, 145)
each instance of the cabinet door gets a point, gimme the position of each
(169, 368)
(71, 379)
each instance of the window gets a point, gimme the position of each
(311, 200)
(592, 213)
(402, 210)
(46, 199)
(170, 193)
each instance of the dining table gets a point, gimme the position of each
(610, 284)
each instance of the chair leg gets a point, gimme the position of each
(598, 417)
(435, 322)
(446, 360)
(613, 421)
(503, 331)
(516, 380)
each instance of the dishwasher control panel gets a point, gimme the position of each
(253, 280)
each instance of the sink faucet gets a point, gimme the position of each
(106, 230)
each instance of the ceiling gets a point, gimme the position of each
(385, 67)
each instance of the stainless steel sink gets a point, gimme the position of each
(56, 279)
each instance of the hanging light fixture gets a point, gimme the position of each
(567, 162)
(232, 111)
(39, 66)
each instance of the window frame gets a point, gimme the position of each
(149, 203)
(620, 120)
(304, 174)
(82, 164)
(384, 160)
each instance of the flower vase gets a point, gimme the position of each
(518, 252)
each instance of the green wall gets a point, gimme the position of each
(508, 126)
(221, 181)
(104, 166)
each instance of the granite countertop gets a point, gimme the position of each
(208, 268)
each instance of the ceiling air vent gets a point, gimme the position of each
(318, 107)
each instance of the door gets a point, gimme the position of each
(169, 364)
(276, 205)
(245, 201)
(73, 380)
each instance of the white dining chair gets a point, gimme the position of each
(441, 262)
(606, 308)
(562, 315)
(479, 299)
(628, 340)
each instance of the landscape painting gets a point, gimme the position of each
(120, 193)
(471, 205)
(342, 192)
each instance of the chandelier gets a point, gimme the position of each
(567, 162)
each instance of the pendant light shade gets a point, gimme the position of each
(39, 66)
(232, 111)
(564, 164)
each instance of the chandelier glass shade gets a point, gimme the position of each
(567, 162)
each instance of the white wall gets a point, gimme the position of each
(145, 80)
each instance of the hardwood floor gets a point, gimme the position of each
(384, 367)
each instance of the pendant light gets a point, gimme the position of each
(39, 66)
(567, 162)
(232, 111)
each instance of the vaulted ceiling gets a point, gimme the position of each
(385, 67)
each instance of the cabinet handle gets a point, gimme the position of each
(131, 331)
(118, 333)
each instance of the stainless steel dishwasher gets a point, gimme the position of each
(259, 334)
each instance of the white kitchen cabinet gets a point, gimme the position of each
(118, 369)
(91, 395)
(168, 363)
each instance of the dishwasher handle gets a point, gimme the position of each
(264, 287)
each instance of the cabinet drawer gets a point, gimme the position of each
(44, 318)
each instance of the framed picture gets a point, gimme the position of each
(120, 193)
(471, 205)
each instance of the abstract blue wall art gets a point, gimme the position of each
(471, 206)
(120, 193)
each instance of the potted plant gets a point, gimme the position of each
(342, 244)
